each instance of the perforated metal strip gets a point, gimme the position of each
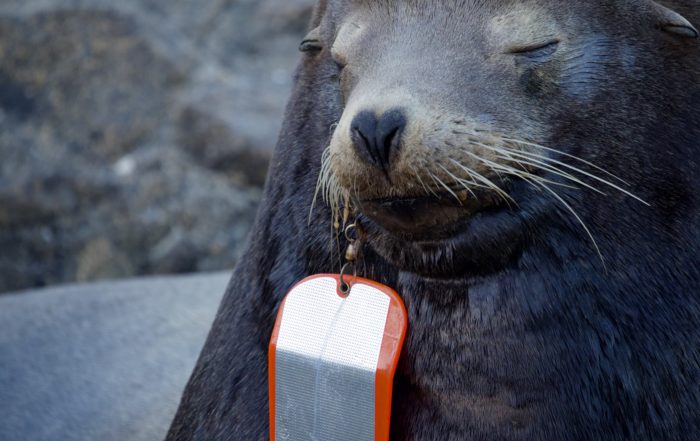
(326, 361)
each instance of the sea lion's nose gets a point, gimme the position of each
(375, 139)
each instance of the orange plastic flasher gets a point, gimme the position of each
(332, 360)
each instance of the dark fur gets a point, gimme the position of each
(536, 341)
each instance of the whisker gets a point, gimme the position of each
(580, 221)
(526, 159)
(327, 187)
(568, 155)
(319, 183)
(538, 183)
(535, 163)
(522, 173)
(568, 166)
(449, 190)
(462, 182)
(506, 168)
(506, 197)
(426, 188)
(553, 170)
(583, 172)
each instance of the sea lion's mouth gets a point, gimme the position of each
(434, 216)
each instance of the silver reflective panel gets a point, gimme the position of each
(326, 360)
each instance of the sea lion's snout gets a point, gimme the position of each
(410, 166)
(377, 139)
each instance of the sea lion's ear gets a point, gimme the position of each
(312, 42)
(672, 22)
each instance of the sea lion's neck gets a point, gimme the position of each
(469, 350)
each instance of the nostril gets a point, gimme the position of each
(391, 141)
(360, 140)
(362, 133)
(377, 140)
(391, 126)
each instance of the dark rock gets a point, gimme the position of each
(87, 77)
(14, 98)
(212, 143)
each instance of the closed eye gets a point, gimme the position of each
(537, 52)
(310, 45)
(312, 42)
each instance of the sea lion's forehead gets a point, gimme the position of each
(423, 3)
(497, 15)
(461, 7)
(523, 23)
(504, 23)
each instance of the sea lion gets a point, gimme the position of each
(526, 176)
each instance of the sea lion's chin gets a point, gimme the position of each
(419, 218)
(422, 218)
(442, 235)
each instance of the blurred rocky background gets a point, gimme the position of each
(135, 134)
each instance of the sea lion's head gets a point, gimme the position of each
(464, 126)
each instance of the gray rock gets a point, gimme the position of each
(105, 361)
(135, 135)
(100, 259)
